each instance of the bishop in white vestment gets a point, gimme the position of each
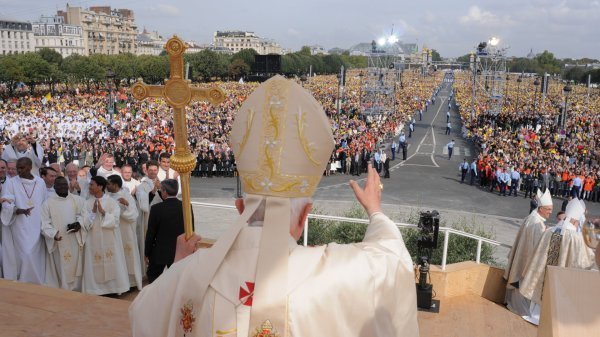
(255, 280)
(105, 270)
(64, 261)
(23, 251)
(527, 239)
(127, 225)
(563, 246)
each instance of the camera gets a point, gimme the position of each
(429, 224)
(73, 227)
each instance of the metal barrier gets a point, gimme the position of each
(446, 230)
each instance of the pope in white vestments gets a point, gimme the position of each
(127, 225)
(64, 261)
(255, 280)
(105, 270)
(23, 251)
(527, 239)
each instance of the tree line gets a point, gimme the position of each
(546, 62)
(48, 67)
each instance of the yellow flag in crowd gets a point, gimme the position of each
(48, 97)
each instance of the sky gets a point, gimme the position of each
(453, 27)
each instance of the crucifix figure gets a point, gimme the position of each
(178, 93)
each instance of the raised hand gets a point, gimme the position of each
(369, 196)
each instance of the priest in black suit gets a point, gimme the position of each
(165, 223)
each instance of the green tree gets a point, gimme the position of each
(153, 69)
(50, 55)
(35, 69)
(546, 62)
(464, 59)
(238, 68)
(11, 72)
(246, 55)
(124, 66)
(435, 56)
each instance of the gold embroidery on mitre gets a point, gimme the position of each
(266, 330)
(247, 132)
(308, 147)
(267, 178)
(225, 332)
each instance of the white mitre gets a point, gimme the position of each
(574, 210)
(544, 199)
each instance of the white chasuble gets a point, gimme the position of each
(23, 253)
(64, 262)
(105, 271)
(127, 225)
(365, 289)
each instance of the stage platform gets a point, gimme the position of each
(28, 310)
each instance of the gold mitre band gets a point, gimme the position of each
(282, 140)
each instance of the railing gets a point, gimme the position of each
(446, 230)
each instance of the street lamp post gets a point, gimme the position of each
(360, 75)
(110, 77)
(566, 90)
(519, 80)
(536, 83)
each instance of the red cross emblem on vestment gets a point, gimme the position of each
(246, 294)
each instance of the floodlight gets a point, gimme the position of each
(392, 39)
(494, 41)
(381, 41)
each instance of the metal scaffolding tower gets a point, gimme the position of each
(488, 65)
(384, 71)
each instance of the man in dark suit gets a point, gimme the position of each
(165, 223)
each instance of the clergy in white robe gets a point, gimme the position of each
(104, 267)
(527, 239)
(77, 185)
(23, 251)
(563, 246)
(255, 280)
(127, 225)
(23, 146)
(64, 261)
(146, 195)
(105, 166)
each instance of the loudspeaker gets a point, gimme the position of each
(267, 64)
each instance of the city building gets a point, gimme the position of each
(52, 32)
(239, 40)
(317, 49)
(105, 30)
(149, 43)
(16, 37)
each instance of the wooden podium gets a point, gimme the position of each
(570, 303)
(33, 310)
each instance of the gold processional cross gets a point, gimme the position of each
(178, 94)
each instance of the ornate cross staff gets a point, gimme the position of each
(178, 94)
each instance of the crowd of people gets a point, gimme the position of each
(74, 127)
(524, 147)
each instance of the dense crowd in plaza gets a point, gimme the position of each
(76, 128)
(525, 144)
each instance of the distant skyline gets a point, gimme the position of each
(566, 28)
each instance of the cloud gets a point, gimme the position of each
(477, 15)
(164, 10)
